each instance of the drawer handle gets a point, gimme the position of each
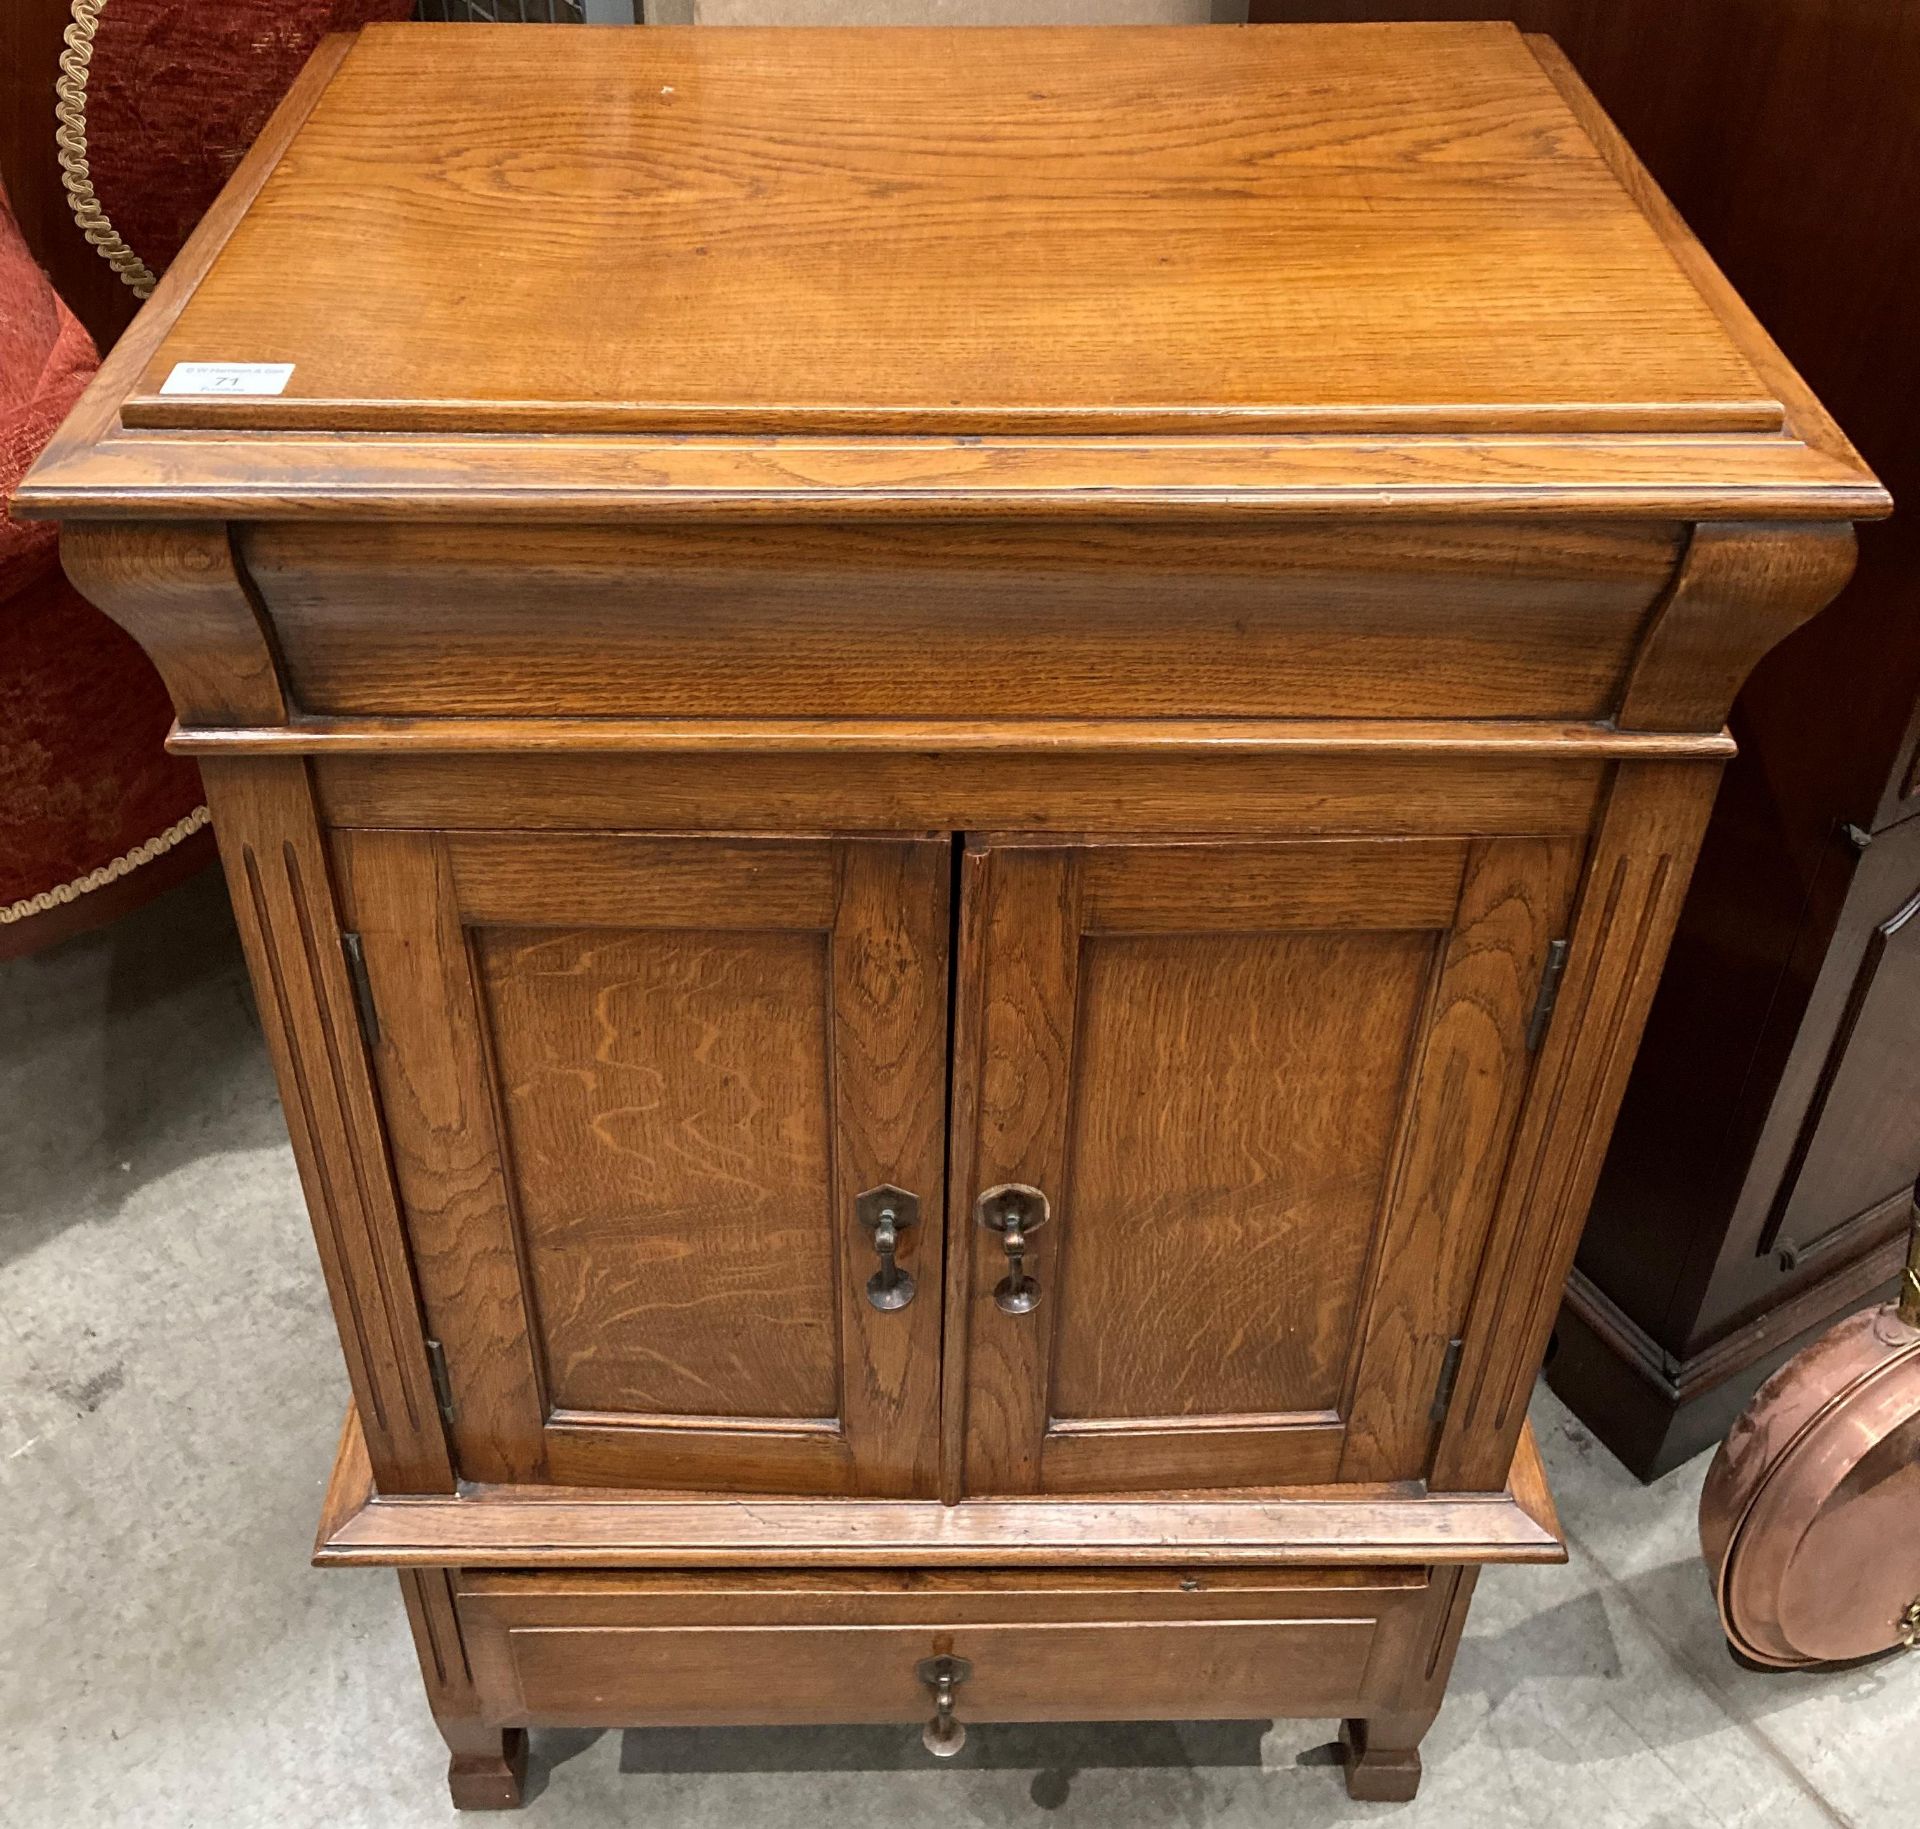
(1014, 1210)
(886, 1212)
(943, 1735)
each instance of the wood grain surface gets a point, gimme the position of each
(1268, 1094)
(1324, 1533)
(926, 619)
(1629, 898)
(1218, 1244)
(487, 1766)
(634, 1086)
(950, 231)
(100, 466)
(912, 786)
(1045, 1644)
(611, 1675)
(276, 861)
(1155, 576)
(665, 1106)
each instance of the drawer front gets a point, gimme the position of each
(593, 1651)
(960, 620)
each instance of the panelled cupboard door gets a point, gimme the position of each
(635, 1088)
(1261, 1096)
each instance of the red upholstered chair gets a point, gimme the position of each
(158, 101)
(88, 798)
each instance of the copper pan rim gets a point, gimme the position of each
(1866, 1356)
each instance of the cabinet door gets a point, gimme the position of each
(1267, 1092)
(635, 1088)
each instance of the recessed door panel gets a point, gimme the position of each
(1224, 1198)
(666, 1115)
(635, 1088)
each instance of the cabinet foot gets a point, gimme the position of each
(1378, 1771)
(488, 1769)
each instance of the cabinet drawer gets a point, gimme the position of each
(958, 620)
(638, 1650)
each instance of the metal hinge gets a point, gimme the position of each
(356, 957)
(1549, 994)
(1449, 1375)
(442, 1384)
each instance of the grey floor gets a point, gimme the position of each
(169, 1395)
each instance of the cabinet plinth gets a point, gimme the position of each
(948, 996)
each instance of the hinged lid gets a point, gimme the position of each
(1344, 229)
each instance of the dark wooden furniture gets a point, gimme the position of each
(1757, 1182)
(960, 764)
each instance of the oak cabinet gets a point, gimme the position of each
(950, 951)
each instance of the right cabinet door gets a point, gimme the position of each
(1230, 1121)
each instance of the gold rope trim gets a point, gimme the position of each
(123, 865)
(70, 110)
(70, 136)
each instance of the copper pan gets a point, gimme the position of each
(1810, 1520)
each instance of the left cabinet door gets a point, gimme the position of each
(635, 1088)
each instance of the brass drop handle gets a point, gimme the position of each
(886, 1212)
(943, 1736)
(1014, 1210)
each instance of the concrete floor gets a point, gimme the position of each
(169, 1395)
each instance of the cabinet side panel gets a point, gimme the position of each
(277, 870)
(1630, 898)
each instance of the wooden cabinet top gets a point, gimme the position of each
(1016, 266)
(953, 231)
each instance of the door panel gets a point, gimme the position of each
(1267, 1091)
(1199, 1217)
(633, 1087)
(670, 1194)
